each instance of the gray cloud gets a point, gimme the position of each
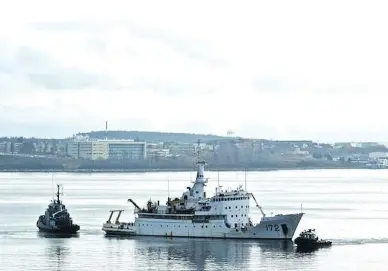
(272, 84)
(64, 78)
(39, 70)
(25, 67)
(170, 88)
(193, 49)
(96, 33)
(97, 45)
(281, 84)
(73, 26)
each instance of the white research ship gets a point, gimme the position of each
(224, 215)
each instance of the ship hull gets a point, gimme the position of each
(280, 227)
(73, 229)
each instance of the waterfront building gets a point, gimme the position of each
(5, 147)
(107, 149)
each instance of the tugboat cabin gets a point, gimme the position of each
(309, 234)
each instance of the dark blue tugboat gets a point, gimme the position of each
(308, 240)
(56, 218)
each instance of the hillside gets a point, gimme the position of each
(153, 136)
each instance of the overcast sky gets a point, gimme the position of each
(267, 69)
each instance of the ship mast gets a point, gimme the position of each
(245, 179)
(52, 185)
(168, 188)
(200, 165)
(58, 193)
(198, 152)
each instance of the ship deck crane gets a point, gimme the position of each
(258, 206)
(134, 204)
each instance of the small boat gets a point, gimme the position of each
(309, 240)
(56, 218)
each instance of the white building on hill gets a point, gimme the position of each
(107, 149)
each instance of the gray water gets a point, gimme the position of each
(349, 207)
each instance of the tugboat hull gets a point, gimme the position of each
(65, 229)
(311, 244)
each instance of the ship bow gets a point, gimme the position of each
(288, 224)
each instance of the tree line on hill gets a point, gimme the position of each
(153, 136)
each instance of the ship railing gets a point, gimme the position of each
(126, 225)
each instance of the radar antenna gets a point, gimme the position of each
(198, 151)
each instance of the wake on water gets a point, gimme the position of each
(359, 241)
(29, 234)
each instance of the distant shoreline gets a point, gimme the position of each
(165, 170)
